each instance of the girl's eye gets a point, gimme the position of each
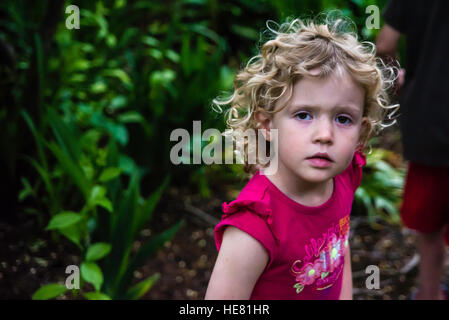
(344, 120)
(303, 116)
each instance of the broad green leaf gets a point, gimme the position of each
(119, 132)
(91, 273)
(139, 289)
(105, 203)
(162, 77)
(97, 251)
(118, 102)
(172, 55)
(150, 41)
(73, 233)
(96, 296)
(98, 197)
(127, 164)
(49, 291)
(97, 192)
(98, 87)
(109, 174)
(63, 220)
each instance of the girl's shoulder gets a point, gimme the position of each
(250, 212)
(253, 197)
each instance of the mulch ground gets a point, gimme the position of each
(30, 259)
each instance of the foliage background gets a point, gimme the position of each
(86, 117)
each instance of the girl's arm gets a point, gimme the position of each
(240, 262)
(346, 289)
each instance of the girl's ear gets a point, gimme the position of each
(365, 132)
(263, 121)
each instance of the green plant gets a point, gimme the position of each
(107, 224)
(381, 189)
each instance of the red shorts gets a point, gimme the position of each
(425, 206)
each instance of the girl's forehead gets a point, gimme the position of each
(337, 89)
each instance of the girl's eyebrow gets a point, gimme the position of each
(312, 107)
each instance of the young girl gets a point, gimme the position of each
(286, 234)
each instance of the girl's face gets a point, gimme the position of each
(319, 129)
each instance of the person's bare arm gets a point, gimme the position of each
(387, 41)
(346, 289)
(240, 262)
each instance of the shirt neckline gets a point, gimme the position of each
(296, 205)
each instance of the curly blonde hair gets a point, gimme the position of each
(298, 46)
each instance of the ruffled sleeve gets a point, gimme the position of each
(251, 216)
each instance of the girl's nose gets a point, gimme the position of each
(323, 132)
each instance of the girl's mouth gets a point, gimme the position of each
(321, 160)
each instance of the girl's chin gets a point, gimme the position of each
(314, 177)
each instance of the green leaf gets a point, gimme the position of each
(73, 233)
(66, 135)
(44, 174)
(172, 55)
(109, 174)
(150, 41)
(91, 273)
(138, 290)
(119, 132)
(162, 77)
(118, 73)
(98, 251)
(63, 219)
(26, 191)
(71, 168)
(98, 197)
(49, 291)
(130, 117)
(127, 164)
(122, 234)
(98, 87)
(96, 296)
(118, 102)
(37, 137)
(97, 192)
(148, 249)
(105, 203)
(148, 206)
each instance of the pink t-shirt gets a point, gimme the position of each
(306, 245)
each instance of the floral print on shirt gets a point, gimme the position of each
(324, 258)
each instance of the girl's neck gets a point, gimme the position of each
(306, 193)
